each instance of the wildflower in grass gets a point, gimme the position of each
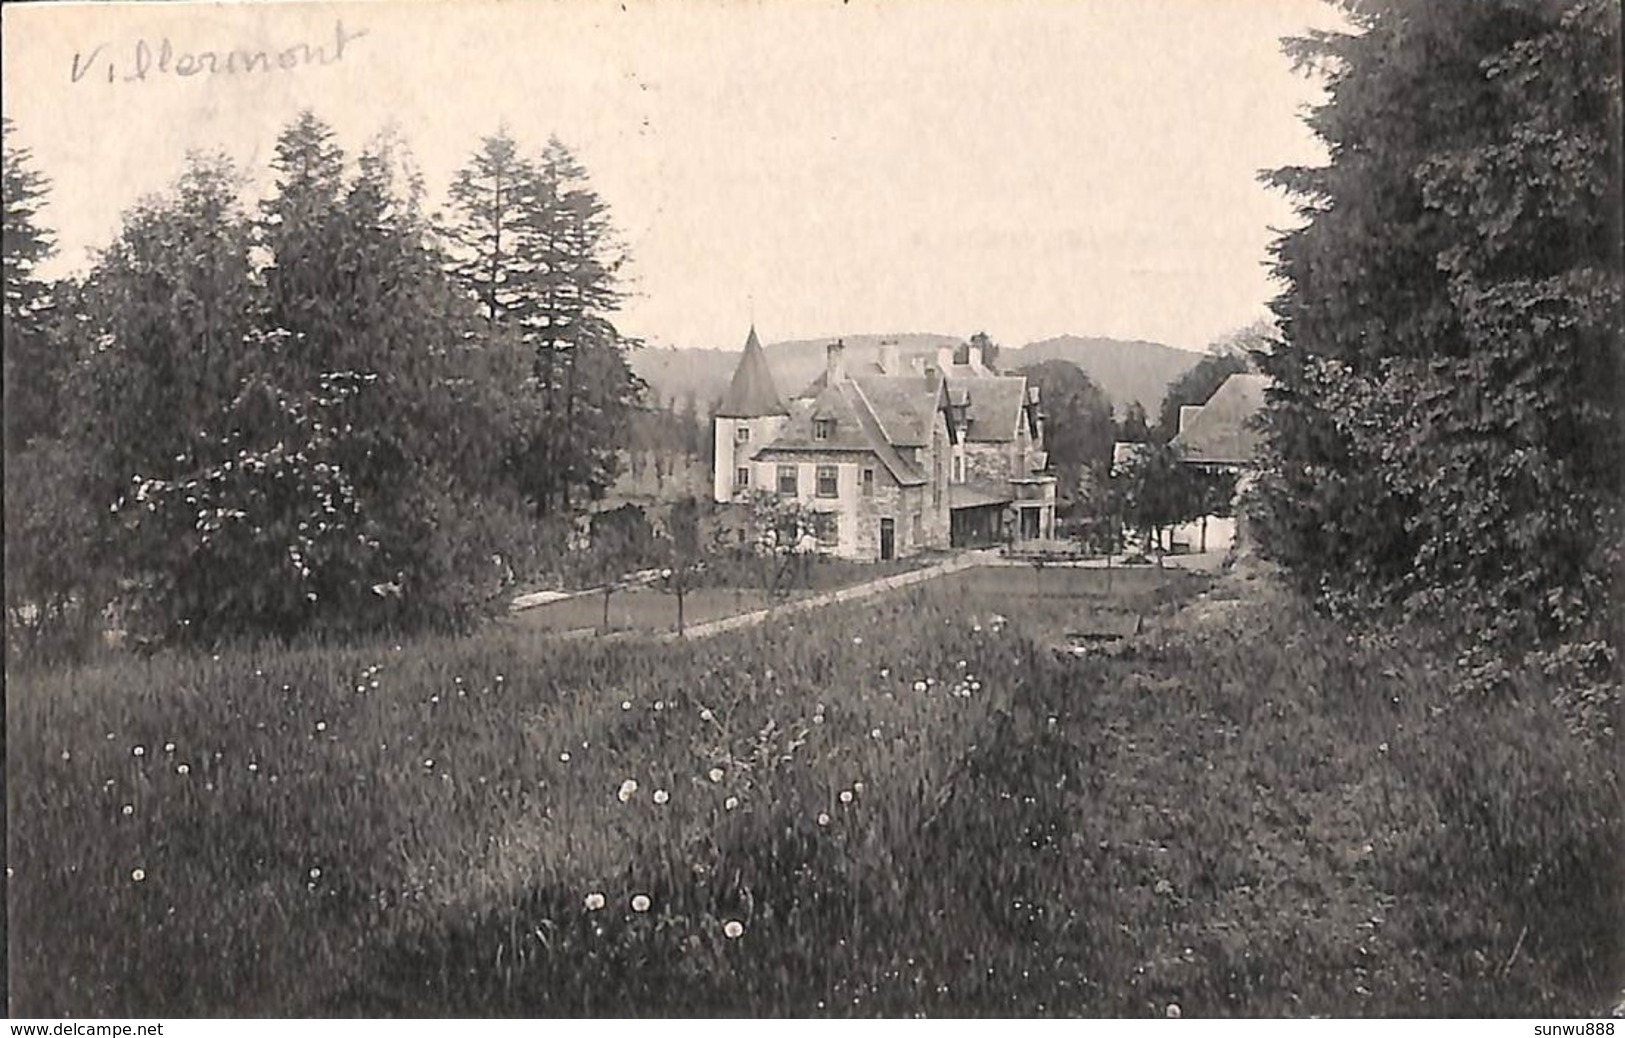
(109, 736)
(594, 901)
(315, 873)
(885, 672)
(499, 679)
(919, 686)
(660, 704)
(321, 726)
(66, 755)
(640, 903)
(707, 715)
(253, 766)
(715, 775)
(183, 769)
(628, 789)
(139, 751)
(564, 758)
(823, 818)
(733, 929)
(818, 718)
(857, 787)
(138, 875)
(874, 733)
(1172, 1012)
(626, 704)
(730, 803)
(661, 796)
(857, 640)
(846, 796)
(428, 762)
(169, 747)
(129, 809)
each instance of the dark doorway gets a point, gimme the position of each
(888, 540)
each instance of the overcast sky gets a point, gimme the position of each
(1027, 168)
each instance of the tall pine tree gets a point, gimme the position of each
(1447, 424)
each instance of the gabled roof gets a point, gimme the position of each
(995, 407)
(1222, 432)
(751, 394)
(901, 418)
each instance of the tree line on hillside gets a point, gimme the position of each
(326, 413)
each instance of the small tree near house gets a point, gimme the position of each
(782, 537)
(686, 548)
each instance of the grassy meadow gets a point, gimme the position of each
(900, 806)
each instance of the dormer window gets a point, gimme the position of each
(823, 428)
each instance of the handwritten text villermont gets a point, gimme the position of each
(148, 59)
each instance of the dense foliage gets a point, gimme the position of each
(306, 419)
(1077, 432)
(1446, 431)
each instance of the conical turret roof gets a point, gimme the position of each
(751, 394)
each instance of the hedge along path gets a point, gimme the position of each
(874, 587)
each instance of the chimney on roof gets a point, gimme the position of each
(889, 364)
(835, 362)
(973, 354)
(945, 358)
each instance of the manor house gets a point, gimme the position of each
(894, 458)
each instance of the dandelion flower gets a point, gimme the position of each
(661, 796)
(499, 679)
(919, 686)
(1173, 1011)
(640, 903)
(253, 766)
(857, 787)
(594, 901)
(715, 775)
(730, 803)
(138, 875)
(169, 747)
(315, 873)
(823, 818)
(183, 769)
(885, 672)
(428, 762)
(628, 789)
(733, 929)
(846, 796)
(626, 704)
(857, 640)
(321, 726)
(707, 715)
(874, 733)
(565, 757)
(129, 809)
(139, 751)
(66, 755)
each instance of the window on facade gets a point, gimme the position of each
(742, 433)
(868, 482)
(959, 469)
(919, 533)
(823, 428)
(827, 482)
(787, 481)
(742, 476)
(828, 527)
